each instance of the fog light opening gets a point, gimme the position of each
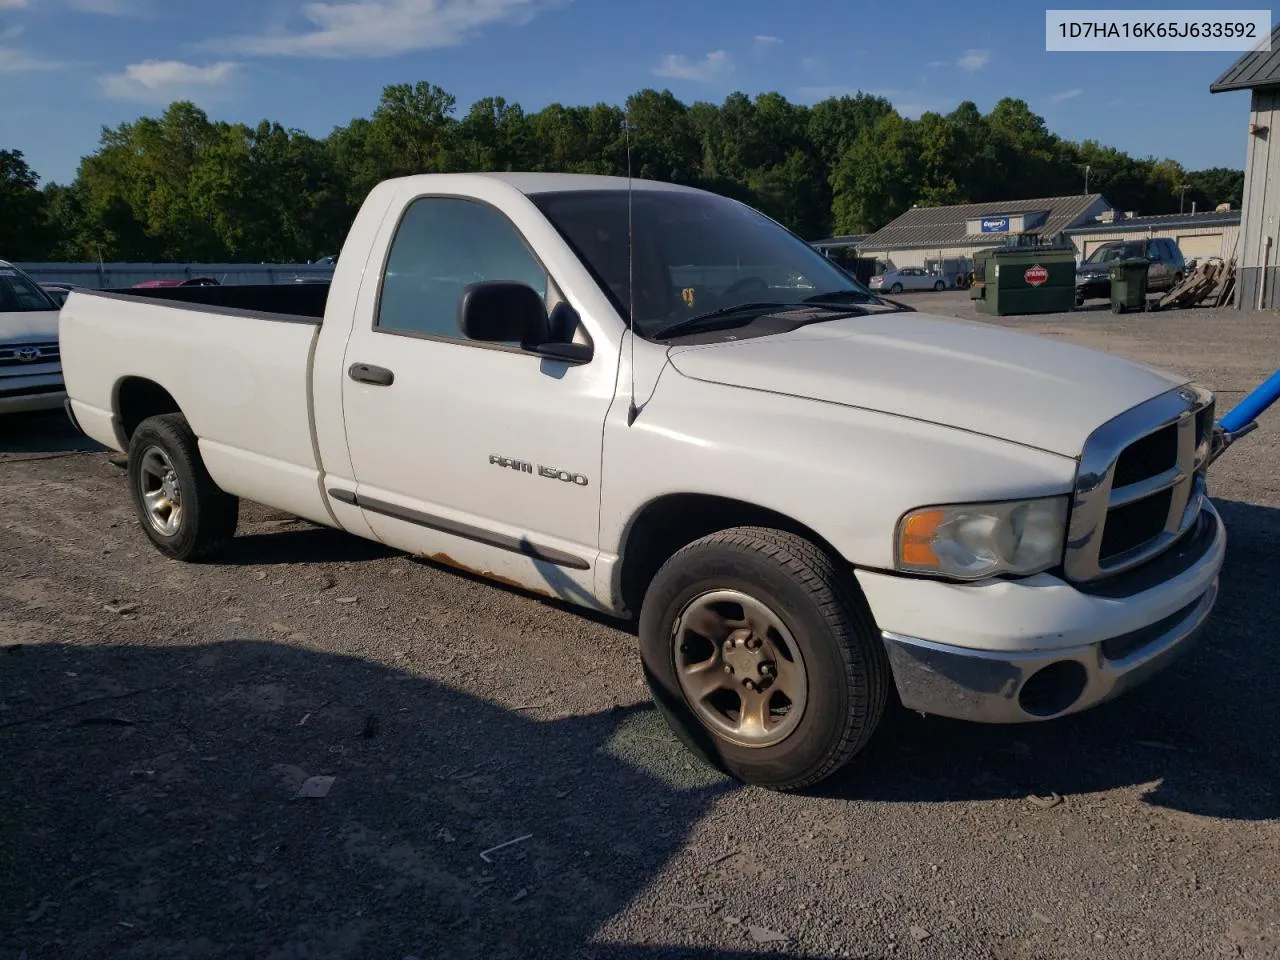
(1053, 689)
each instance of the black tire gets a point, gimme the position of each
(819, 604)
(1117, 306)
(208, 515)
(940, 286)
(896, 288)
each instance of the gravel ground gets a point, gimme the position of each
(158, 719)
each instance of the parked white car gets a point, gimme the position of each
(30, 369)
(908, 278)
(805, 497)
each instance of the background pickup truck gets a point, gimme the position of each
(807, 495)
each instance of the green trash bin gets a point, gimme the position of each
(1129, 284)
(1026, 278)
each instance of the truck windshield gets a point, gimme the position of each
(694, 253)
(20, 295)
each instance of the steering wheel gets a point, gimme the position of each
(743, 284)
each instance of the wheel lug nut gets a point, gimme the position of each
(749, 684)
(728, 644)
(766, 669)
(728, 669)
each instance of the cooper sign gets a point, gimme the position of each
(994, 225)
(1035, 275)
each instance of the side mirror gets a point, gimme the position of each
(500, 311)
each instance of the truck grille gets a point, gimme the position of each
(1140, 484)
(22, 354)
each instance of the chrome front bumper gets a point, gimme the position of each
(1005, 686)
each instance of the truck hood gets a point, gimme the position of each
(28, 325)
(969, 375)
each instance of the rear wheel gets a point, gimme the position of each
(762, 657)
(896, 288)
(180, 508)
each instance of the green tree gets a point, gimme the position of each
(181, 187)
(412, 129)
(24, 231)
(876, 178)
(834, 124)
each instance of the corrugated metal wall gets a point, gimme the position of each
(96, 276)
(1259, 251)
(1224, 238)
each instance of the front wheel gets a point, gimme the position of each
(762, 657)
(939, 286)
(179, 506)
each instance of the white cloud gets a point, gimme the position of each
(13, 60)
(1067, 94)
(813, 65)
(110, 8)
(379, 28)
(163, 81)
(714, 66)
(974, 59)
(935, 64)
(761, 39)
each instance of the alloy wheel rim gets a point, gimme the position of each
(161, 493)
(740, 668)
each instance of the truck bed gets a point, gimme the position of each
(236, 360)
(274, 301)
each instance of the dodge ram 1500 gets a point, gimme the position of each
(658, 403)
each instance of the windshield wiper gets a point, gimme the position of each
(842, 296)
(726, 315)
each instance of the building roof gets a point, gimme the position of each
(1254, 70)
(945, 226)
(1204, 218)
(848, 240)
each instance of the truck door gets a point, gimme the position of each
(479, 455)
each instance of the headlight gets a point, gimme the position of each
(970, 541)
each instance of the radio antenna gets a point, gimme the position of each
(631, 280)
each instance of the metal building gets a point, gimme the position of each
(1258, 259)
(928, 233)
(1210, 233)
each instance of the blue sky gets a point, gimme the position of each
(68, 67)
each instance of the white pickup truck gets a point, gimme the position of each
(658, 402)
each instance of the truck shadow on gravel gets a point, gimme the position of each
(152, 809)
(1203, 732)
(43, 433)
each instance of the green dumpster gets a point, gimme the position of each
(1028, 275)
(1129, 284)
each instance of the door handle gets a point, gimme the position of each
(368, 373)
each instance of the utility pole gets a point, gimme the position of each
(1087, 168)
(1182, 197)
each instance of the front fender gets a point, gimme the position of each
(846, 473)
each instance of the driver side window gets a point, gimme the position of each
(442, 245)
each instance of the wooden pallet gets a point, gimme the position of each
(1213, 282)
